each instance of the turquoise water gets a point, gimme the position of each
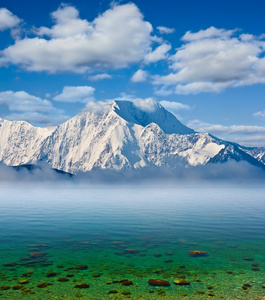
(72, 225)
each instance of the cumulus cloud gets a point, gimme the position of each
(73, 94)
(214, 59)
(139, 76)
(242, 134)
(160, 53)
(98, 77)
(147, 105)
(165, 30)
(210, 32)
(37, 118)
(174, 106)
(22, 101)
(260, 114)
(26, 107)
(7, 19)
(97, 107)
(115, 39)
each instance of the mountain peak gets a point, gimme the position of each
(144, 112)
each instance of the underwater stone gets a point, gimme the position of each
(10, 264)
(63, 279)
(37, 254)
(248, 258)
(158, 282)
(113, 292)
(126, 282)
(168, 261)
(131, 251)
(82, 286)
(181, 282)
(197, 253)
(43, 285)
(254, 264)
(23, 281)
(255, 269)
(17, 287)
(4, 288)
(81, 267)
(125, 293)
(51, 274)
(157, 255)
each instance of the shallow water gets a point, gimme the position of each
(78, 225)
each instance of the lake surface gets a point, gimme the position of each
(135, 233)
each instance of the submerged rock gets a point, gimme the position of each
(197, 253)
(181, 282)
(248, 258)
(158, 255)
(17, 287)
(23, 281)
(158, 282)
(63, 279)
(131, 251)
(125, 293)
(10, 264)
(81, 267)
(4, 288)
(51, 274)
(113, 292)
(37, 254)
(43, 284)
(82, 286)
(126, 282)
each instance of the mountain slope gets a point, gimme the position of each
(116, 135)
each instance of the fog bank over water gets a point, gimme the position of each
(230, 171)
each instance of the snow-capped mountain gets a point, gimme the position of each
(116, 135)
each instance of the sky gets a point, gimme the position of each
(202, 60)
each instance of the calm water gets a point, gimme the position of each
(77, 225)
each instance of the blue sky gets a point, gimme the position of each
(203, 60)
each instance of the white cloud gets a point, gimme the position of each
(7, 19)
(37, 118)
(139, 76)
(260, 114)
(174, 106)
(97, 107)
(210, 32)
(214, 59)
(252, 136)
(159, 53)
(22, 101)
(147, 105)
(30, 108)
(115, 39)
(98, 77)
(165, 30)
(73, 94)
(226, 130)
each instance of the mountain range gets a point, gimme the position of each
(118, 135)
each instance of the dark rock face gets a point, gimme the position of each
(158, 282)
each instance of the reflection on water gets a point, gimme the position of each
(107, 242)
